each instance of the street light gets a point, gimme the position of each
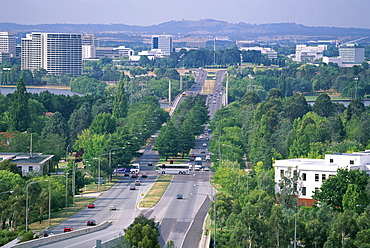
(110, 159)
(27, 200)
(66, 192)
(99, 180)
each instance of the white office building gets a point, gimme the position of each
(309, 53)
(7, 43)
(352, 54)
(57, 53)
(313, 172)
(163, 43)
(271, 54)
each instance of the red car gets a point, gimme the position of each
(134, 175)
(144, 175)
(91, 223)
(91, 205)
(68, 229)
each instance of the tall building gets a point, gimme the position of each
(57, 53)
(352, 54)
(7, 43)
(163, 43)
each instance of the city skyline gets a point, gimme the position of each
(329, 13)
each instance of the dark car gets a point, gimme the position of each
(48, 233)
(91, 205)
(67, 229)
(91, 223)
(150, 164)
(179, 196)
(202, 152)
(134, 175)
(132, 187)
(144, 175)
(192, 157)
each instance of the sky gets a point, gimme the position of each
(328, 13)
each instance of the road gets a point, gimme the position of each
(176, 216)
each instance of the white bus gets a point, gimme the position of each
(173, 169)
(134, 168)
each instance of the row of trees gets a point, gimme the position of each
(178, 135)
(351, 82)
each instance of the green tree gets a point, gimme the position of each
(19, 112)
(56, 125)
(103, 123)
(334, 188)
(120, 101)
(166, 143)
(323, 106)
(80, 120)
(10, 166)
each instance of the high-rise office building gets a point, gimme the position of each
(163, 43)
(57, 53)
(352, 54)
(7, 43)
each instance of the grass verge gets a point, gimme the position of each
(156, 191)
(60, 216)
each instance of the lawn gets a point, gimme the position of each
(156, 191)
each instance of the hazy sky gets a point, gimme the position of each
(338, 13)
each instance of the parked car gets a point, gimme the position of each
(132, 187)
(67, 229)
(91, 223)
(179, 196)
(91, 205)
(112, 207)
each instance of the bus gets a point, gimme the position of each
(198, 161)
(135, 168)
(173, 169)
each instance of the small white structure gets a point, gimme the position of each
(29, 163)
(313, 172)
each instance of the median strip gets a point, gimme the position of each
(156, 191)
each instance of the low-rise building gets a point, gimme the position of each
(29, 163)
(313, 172)
(309, 53)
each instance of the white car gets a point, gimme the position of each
(112, 207)
(206, 168)
(204, 144)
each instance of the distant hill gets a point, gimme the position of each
(207, 27)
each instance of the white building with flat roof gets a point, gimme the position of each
(352, 54)
(313, 172)
(7, 43)
(57, 53)
(271, 54)
(164, 43)
(309, 53)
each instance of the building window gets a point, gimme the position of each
(323, 177)
(19, 168)
(281, 173)
(304, 176)
(30, 168)
(303, 190)
(331, 160)
(303, 204)
(317, 178)
(316, 188)
(351, 162)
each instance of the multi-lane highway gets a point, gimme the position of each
(176, 216)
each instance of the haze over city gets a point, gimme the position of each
(330, 13)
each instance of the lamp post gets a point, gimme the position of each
(27, 200)
(99, 173)
(67, 152)
(110, 159)
(66, 192)
(356, 80)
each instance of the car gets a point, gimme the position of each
(144, 175)
(48, 233)
(112, 207)
(137, 183)
(91, 205)
(68, 229)
(179, 196)
(91, 223)
(207, 138)
(134, 175)
(214, 102)
(202, 152)
(132, 187)
(208, 158)
(192, 157)
(150, 164)
(206, 168)
(204, 144)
